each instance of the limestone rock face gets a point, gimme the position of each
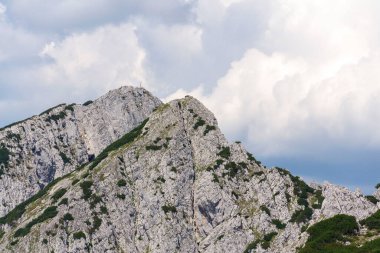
(340, 200)
(54, 143)
(174, 184)
(377, 193)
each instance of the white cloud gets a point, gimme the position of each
(310, 84)
(100, 60)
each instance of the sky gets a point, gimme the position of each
(297, 82)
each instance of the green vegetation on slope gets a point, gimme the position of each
(49, 213)
(11, 217)
(64, 158)
(79, 235)
(58, 194)
(4, 155)
(303, 191)
(265, 242)
(373, 221)
(225, 152)
(88, 102)
(127, 138)
(330, 236)
(169, 208)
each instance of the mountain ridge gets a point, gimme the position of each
(175, 184)
(43, 147)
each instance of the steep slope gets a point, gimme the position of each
(38, 150)
(174, 184)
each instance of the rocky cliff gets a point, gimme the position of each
(173, 184)
(38, 150)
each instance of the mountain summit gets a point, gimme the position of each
(127, 173)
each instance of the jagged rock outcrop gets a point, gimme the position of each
(174, 184)
(340, 200)
(377, 193)
(44, 147)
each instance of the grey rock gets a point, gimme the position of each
(180, 186)
(54, 143)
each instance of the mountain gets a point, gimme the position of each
(42, 148)
(173, 183)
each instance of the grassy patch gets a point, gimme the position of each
(252, 158)
(20, 209)
(373, 221)
(200, 122)
(215, 178)
(153, 147)
(56, 117)
(225, 152)
(103, 210)
(233, 169)
(14, 123)
(127, 138)
(265, 209)
(267, 239)
(320, 198)
(121, 183)
(88, 102)
(4, 155)
(302, 191)
(49, 213)
(64, 158)
(86, 189)
(265, 242)
(169, 208)
(50, 109)
(58, 194)
(13, 136)
(251, 246)
(68, 217)
(278, 224)
(372, 199)
(70, 107)
(97, 222)
(79, 235)
(208, 129)
(120, 196)
(64, 201)
(326, 235)
(75, 181)
(300, 216)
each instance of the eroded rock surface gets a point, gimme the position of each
(54, 143)
(179, 186)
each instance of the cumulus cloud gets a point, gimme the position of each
(306, 92)
(171, 51)
(313, 71)
(79, 67)
(100, 60)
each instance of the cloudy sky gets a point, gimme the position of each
(298, 82)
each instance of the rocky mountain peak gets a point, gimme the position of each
(54, 143)
(173, 183)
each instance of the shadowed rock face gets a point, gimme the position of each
(52, 144)
(176, 186)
